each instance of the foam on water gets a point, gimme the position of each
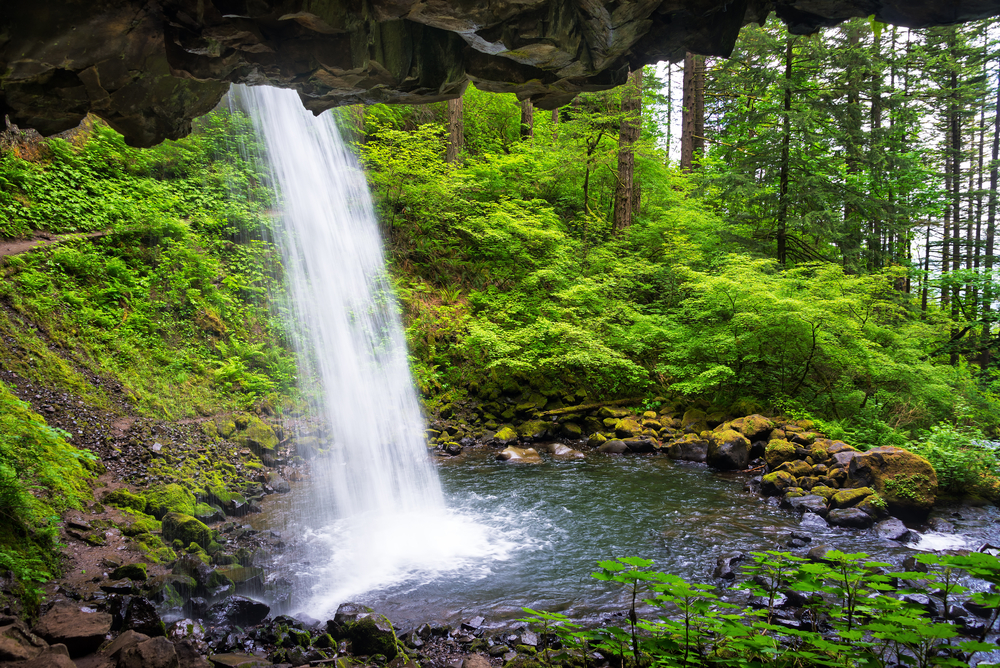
(376, 498)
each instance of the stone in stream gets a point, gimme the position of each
(892, 529)
(811, 503)
(691, 448)
(904, 479)
(728, 451)
(81, 632)
(851, 518)
(613, 448)
(520, 455)
(724, 565)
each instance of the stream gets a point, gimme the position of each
(530, 535)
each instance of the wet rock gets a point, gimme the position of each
(239, 611)
(728, 451)
(56, 656)
(519, 455)
(596, 440)
(474, 623)
(892, 529)
(813, 522)
(206, 579)
(81, 632)
(136, 571)
(904, 479)
(122, 642)
(977, 609)
(187, 529)
(560, 450)
(152, 653)
(529, 638)
(809, 504)
(141, 616)
(776, 483)
(372, 634)
(691, 448)
(761, 602)
(613, 448)
(724, 568)
(912, 565)
(819, 553)
(533, 430)
(188, 655)
(639, 445)
(120, 587)
(498, 650)
(851, 518)
(17, 642)
(505, 435)
(778, 452)
(848, 498)
(924, 601)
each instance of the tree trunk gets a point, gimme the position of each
(693, 113)
(456, 130)
(786, 139)
(627, 197)
(555, 124)
(527, 119)
(985, 356)
(853, 159)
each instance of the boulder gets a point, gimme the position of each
(613, 448)
(152, 653)
(372, 634)
(81, 632)
(776, 483)
(755, 427)
(596, 440)
(163, 499)
(724, 565)
(905, 480)
(475, 661)
(848, 498)
(519, 455)
(627, 428)
(560, 450)
(691, 448)
(778, 452)
(141, 616)
(136, 571)
(852, 518)
(571, 430)
(640, 445)
(56, 656)
(187, 529)
(239, 611)
(606, 412)
(892, 529)
(205, 578)
(810, 503)
(505, 435)
(796, 467)
(122, 642)
(728, 451)
(260, 438)
(533, 430)
(17, 642)
(694, 421)
(189, 656)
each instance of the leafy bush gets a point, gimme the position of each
(965, 462)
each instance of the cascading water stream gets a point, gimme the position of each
(375, 495)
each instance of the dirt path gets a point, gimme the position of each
(42, 239)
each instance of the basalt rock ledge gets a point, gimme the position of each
(149, 67)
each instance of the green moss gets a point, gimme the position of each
(122, 498)
(506, 435)
(141, 524)
(847, 498)
(136, 571)
(187, 529)
(171, 498)
(778, 452)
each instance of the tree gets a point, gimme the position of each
(527, 119)
(693, 118)
(627, 192)
(456, 129)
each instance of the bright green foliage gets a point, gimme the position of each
(862, 603)
(41, 475)
(964, 462)
(171, 297)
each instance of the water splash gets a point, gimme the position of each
(376, 493)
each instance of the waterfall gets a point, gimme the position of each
(375, 496)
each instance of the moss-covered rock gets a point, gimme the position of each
(848, 498)
(260, 437)
(533, 429)
(906, 481)
(187, 529)
(756, 427)
(611, 412)
(141, 523)
(777, 482)
(136, 571)
(728, 450)
(694, 420)
(627, 428)
(797, 467)
(122, 498)
(171, 498)
(824, 491)
(571, 430)
(778, 452)
(505, 435)
(596, 440)
(372, 634)
(225, 426)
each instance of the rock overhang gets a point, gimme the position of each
(149, 68)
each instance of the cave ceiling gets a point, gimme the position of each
(149, 68)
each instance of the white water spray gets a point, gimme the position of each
(378, 497)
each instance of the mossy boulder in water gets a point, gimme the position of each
(627, 428)
(906, 481)
(187, 529)
(164, 499)
(755, 427)
(372, 634)
(596, 440)
(728, 451)
(848, 498)
(776, 483)
(533, 429)
(691, 448)
(694, 421)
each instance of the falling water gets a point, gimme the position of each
(376, 496)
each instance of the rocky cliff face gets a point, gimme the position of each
(149, 67)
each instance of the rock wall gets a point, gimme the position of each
(149, 68)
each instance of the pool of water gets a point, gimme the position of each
(530, 536)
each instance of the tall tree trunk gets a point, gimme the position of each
(456, 130)
(670, 111)
(985, 356)
(853, 159)
(786, 140)
(954, 121)
(527, 119)
(627, 197)
(555, 124)
(876, 241)
(693, 115)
